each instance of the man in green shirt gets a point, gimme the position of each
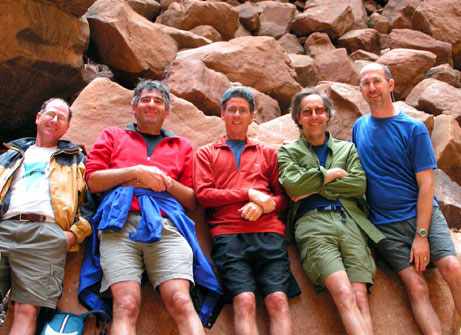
(324, 178)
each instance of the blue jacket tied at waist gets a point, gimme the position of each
(112, 215)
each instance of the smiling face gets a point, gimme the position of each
(375, 87)
(237, 117)
(52, 123)
(313, 119)
(150, 112)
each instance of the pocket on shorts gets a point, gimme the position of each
(55, 285)
(310, 271)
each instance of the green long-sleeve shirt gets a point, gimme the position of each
(300, 173)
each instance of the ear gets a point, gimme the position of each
(222, 114)
(391, 85)
(133, 109)
(167, 112)
(37, 117)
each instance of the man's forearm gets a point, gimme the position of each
(185, 195)
(424, 207)
(104, 180)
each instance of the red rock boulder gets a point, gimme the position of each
(255, 61)
(435, 97)
(446, 140)
(408, 68)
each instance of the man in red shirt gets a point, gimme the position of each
(145, 155)
(236, 180)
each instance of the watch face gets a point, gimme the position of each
(422, 232)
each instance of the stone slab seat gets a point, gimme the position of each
(312, 313)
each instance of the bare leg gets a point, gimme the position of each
(127, 302)
(175, 295)
(341, 291)
(361, 297)
(277, 307)
(418, 293)
(25, 319)
(450, 269)
(244, 314)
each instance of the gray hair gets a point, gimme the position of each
(295, 108)
(150, 85)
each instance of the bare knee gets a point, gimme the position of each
(361, 297)
(277, 304)
(244, 304)
(180, 304)
(25, 313)
(126, 307)
(344, 296)
(416, 287)
(450, 268)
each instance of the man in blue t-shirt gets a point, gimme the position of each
(397, 155)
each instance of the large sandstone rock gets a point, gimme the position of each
(408, 68)
(348, 106)
(41, 56)
(193, 81)
(326, 67)
(446, 74)
(446, 140)
(436, 97)
(305, 69)
(266, 108)
(290, 44)
(120, 35)
(74, 7)
(378, 22)
(317, 44)
(361, 39)
(276, 19)
(248, 16)
(412, 39)
(256, 61)
(147, 8)
(208, 32)
(333, 17)
(427, 119)
(359, 13)
(283, 125)
(364, 55)
(193, 13)
(104, 103)
(400, 12)
(183, 38)
(448, 194)
(440, 19)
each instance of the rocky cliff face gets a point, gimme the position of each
(93, 52)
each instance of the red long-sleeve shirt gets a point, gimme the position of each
(222, 189)
(119, 148)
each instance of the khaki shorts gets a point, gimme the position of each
(124, 260)
(328, 245)
(33, 256)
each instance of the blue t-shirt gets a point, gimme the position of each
(392, 150)
(316, 200)
(237, 148)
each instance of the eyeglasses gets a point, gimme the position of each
(375, 82)
(241, 110)
(309, 111)
(51, 115)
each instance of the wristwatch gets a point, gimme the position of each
(421, 232)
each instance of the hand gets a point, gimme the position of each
(151, 177)
(420, 253)
(301, 197)
(71, 239)
(262, 199)
(333, 174)
(251, 211)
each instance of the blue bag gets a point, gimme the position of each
(65, 323)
